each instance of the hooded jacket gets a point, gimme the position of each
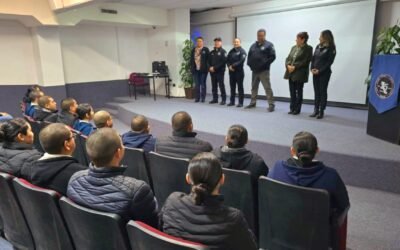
(67, 118)
(45, 115)
(86, 128)
(211, 223)
(53, 173)
(15, 156)
(133, 139)
(315, 175)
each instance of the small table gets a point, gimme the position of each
(158, 75)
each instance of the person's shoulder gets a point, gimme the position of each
(130, 185)
(174, 199)
(78, 175)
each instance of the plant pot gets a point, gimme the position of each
(189, 93)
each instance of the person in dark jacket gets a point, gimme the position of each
(68, 114)
(297, 64)
(183, 142)
(103, 186)
(261, 56)
(139, 136)
(17, 150)
(199, 67)
(85, 114)
(33, 105)
(321, 63)
(234, 154)
(235, 62)
(47, 110)
(201, 216)
(217, 65)
(54, 169)
(302, 170)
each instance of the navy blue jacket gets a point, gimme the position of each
(31, 109)
(133, 139)
(261, 56)
(217, 59)
(205, 52)
(236, 58)
(107, 189)
(315, 175)
(86, 128)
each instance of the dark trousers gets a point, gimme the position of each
(321, 90)
(236, 78)
(200, 86)
(217, 80)
(296, 95)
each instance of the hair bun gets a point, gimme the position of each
(200, 191)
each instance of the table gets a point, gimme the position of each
(158, 75)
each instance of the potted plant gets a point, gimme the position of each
(185, 71)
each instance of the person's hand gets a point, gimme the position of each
(231, 68)
(315, 71)
(290, 68)
(211, 69)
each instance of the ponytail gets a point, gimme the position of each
(305, 145)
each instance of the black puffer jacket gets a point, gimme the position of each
(14, 156)
(211, 224)
(182, 145)
(45, 115)
(67, 118)
(106, 189)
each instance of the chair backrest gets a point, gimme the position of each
(16, 229)
(135, 160)
(36, 128)
(80, 152)
(292, 217)
(243, 198)
(43, 215)
(94, 230)
(168, 175)
(145, 237)
(135, 78)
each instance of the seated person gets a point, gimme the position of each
(302, 170)
(103, 119)
(5, 117)
(85, 114)
(26, 99)
(201, 216)
(68, 114)
(47, 111)
(139, 136)
(183, 142)
(31, 108)
(103, 186)
(17, 149)
(54, 169)
(234, 154)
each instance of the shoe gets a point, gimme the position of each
(196, 100)
(239, 105)
(213, 101)
(290, 112)
(315, 113)
(296, 112)
(230, 104)
(320, 114)
(222, 103)
(271, 108)
(251, 105)
(202, 100)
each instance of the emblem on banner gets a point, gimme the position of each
(384, 86)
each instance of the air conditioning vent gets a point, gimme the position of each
(109, 11)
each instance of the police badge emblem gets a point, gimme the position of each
(384, 86)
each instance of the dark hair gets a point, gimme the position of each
(303, 35)
(27, 97)
(53, 136)
(83, 109)
(10, 129)
(102, 145)
(139, 123)
(205, 172)
(305, 144)
(199, 37)
(181, 121)
(33, 95)
(44, 100)
(262, 30)
(237, 136)
(328, 37)
(67, 103)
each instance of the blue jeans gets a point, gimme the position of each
(200, 86)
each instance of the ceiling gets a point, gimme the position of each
(194, 5)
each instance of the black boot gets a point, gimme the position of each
(320, 114)
(315, 114)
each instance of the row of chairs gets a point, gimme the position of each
(35, 218)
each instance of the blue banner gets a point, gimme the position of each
(385, 82)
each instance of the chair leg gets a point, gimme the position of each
(134, 91)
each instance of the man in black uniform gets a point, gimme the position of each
(236, 58)
(217, 64)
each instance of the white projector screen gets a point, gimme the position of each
(352, 26)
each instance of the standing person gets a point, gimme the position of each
(323, 58)
(261, 56)
(217, 65)
(199, 65)
(297, 64)
(235, 61)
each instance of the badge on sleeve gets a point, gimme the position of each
(262, 48)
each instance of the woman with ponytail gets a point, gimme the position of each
(17, 150)
(201, 215)
(303, 170)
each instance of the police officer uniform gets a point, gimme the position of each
(236, 58)
(217, 59)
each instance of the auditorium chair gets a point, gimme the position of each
(134, 81)
(294, 217)
(135, 160)
(145, 237)
(43, 215)
(238, 191)
(80, 152)
(94, 230)
(168, 175)
(16, 229)
(36, 128)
